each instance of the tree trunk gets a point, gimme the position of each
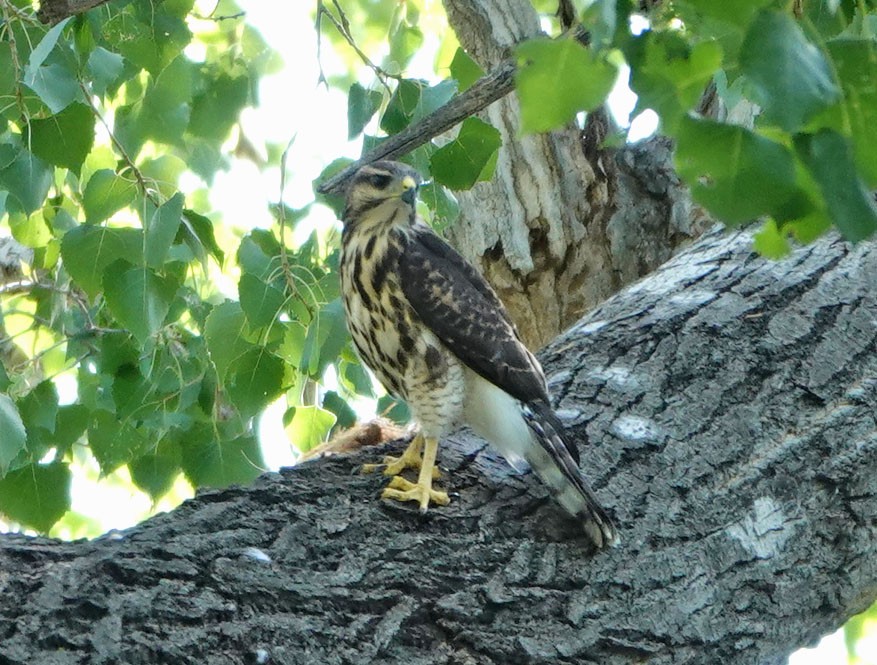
(725, 410)
(563, 224)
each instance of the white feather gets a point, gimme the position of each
(496, 417)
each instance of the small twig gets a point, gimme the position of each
(13, 49)
(22, 286)
(141, 181)
(218, 19)
(318, 27)
(288, 277)
(342, 25)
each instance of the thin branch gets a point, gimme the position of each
(24, 286)
(288, 276)
(483, 93)
(219, 19)
(141, 181)
(342, 25)
(13, 48)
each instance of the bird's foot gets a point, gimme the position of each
(401, 489)
(410, 459)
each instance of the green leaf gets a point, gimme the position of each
(326, 336)
(357, 379)
(345, 416)
(26, 177)
(162, 229)
(464, 70)
(226, 336)
(55, 85)
(856, 116)
(114, 443)
(460, 163)
(668, 74)
(558, 78)
(64, 139)
(445, 209)
(770, 242)
(736, 13)
(197, 232)
(105, 70)
(259, 255)
(150, 42)
(13, 437)
(737, 174)
(405, 41)
(602, 17)
(30, 231)
(36, 495)
(361, 106)
(166, 104)
(71, 423)
(105, 194)
(156, 471)
(164, 112)
(216, 109)
(828, 156)
(88, 250)
(791, 78)
(261, 302)
(412, 100)
(138, 297)
(394, 409)
(39, 408)
(214, 462)
(309, 426)
(253, 380)
(47, 44)
(163, 173)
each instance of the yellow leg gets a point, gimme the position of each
(410, 459)
(401, 489)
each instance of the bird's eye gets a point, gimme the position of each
(380, 180)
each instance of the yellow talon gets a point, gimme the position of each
(410, 459)
(401, 489)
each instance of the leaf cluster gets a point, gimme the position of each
(804, 70)
(113, 283)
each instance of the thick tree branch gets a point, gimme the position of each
(729, 402)
(55, 11)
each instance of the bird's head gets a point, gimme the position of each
(382, 191)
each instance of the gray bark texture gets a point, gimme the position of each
(554, 230)
(725, 411)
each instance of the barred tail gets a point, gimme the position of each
(555, 461)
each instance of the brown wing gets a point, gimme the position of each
(457, 304)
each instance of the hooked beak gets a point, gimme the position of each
(409, 195)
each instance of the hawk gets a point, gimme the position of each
(436, 334)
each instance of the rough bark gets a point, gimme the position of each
(551, 231)
(55, 11)
(725, 409)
